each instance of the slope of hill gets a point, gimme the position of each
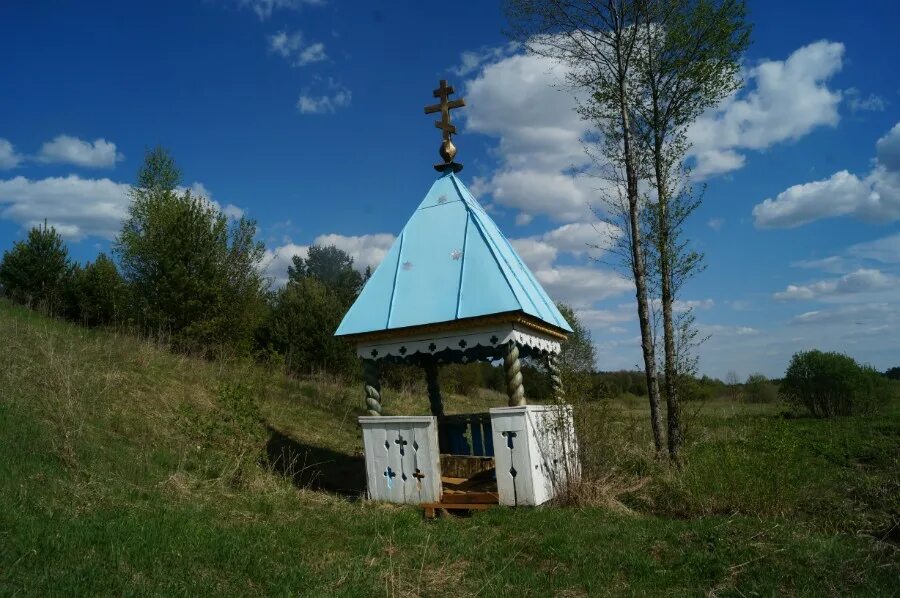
(127, 469)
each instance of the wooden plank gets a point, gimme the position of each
(471, 498)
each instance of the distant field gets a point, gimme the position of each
(125, 469)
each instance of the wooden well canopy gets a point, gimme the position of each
(452, 289)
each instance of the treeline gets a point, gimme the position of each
(183, 273)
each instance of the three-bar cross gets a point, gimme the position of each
(446, 105)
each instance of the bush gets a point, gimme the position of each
(830, 384)
(758, 389)
(304, 315)
(35, 271)
(96, 294)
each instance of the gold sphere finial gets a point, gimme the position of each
(447, 151)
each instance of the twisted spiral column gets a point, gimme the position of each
(372, 377)
(434, 389)
(514, 389)
(556, 384)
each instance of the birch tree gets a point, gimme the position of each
(598, 41)
(687, 61)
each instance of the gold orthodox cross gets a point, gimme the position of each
(447, 151)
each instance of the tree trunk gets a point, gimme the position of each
(673, 407)
(638, 266)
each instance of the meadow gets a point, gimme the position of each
(127, 469)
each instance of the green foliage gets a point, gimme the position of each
(758, 389)
(96, 294)
(332, 267)
(301, 324)
(34, 272)
(831, 384)
(305, 313)
(892, 373)
(192, 276)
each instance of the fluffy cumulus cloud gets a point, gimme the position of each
(577, 238)
(874, 197)
(78, 207)
(275, 262)
(66, 149)
(335, 97)
(864, 280)
(367, 251)
(518, 100)
(9, 158)
(292, 47)
(784, 100)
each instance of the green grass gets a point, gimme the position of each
(125, 469)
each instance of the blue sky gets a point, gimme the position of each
(307, 116)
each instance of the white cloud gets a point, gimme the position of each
(521, 100)
(9, 158)
(858, 103)
(834, 264)
(71, 150)
(607, 318)
(337, 97)
(876, 197)
(275, 262)
(76, 206)
(537, 254)
(291, 47)
(861, 281)
(518, 100)
(366, 250)
(265, 8)
(784, 100)
(581, 286)
(886, 250)
(471, 61)
(715, 223)
(578, 238)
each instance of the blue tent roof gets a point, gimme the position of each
(450, 262)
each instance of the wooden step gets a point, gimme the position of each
(468, 498)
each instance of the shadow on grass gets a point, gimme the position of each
(314, 467)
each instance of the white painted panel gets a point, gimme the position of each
(395, 449)
(544, 452)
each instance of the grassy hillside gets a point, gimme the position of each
(125, 469)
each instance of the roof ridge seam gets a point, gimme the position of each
(462, 265)
(494, 252)
(396, 276)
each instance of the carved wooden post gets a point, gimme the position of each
(372, 376)
(434, 388)
(559, 392)
(514, 389)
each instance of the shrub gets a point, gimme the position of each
(830, 384)
(758, 389)
(97, 294)
(34, 272)
(304, 315)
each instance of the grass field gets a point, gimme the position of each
(125, 469)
